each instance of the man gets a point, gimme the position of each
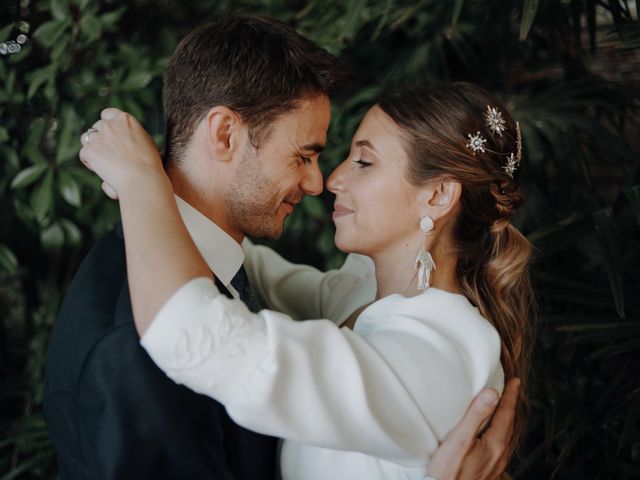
(245, 71)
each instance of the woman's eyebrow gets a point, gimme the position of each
(365, 143)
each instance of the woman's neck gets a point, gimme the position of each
(396, 271)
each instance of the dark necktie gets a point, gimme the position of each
(241, 283)
(250, 456)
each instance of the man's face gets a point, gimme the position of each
(273, 178)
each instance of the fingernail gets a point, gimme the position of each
(489, 398)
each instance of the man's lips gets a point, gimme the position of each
(289, 205)
(340, 210)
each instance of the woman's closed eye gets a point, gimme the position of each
(362, 163)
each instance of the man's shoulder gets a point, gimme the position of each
(96, 302)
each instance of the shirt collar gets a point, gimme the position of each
(223, 254)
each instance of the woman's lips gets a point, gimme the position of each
(340, 210)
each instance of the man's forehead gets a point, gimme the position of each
(304, 128)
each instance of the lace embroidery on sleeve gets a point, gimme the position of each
(229, 330)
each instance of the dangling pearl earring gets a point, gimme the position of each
(424, 260)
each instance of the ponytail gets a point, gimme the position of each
(497, 281)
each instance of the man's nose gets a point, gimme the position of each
(312, 181)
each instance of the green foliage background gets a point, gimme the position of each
(567, 69)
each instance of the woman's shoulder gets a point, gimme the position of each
(449, 314)
(432, 338)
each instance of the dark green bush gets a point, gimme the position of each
(568, 70)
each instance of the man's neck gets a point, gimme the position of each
(206, 199)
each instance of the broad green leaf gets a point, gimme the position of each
(110, 19)
(42, 198)
(37, 78)
(29, 175)
(72, 232)
(83, 4)
(69, 188)
(59, 9)
(4, 134)
(50, 91)
(8, 260)
(606, 232)
(60, 53)
(85, 176)
(457, 8)
(133, 107)
(68, 138)
(36, 130)
(136, 80)
(529, 10)
(34, 155)
(52, 237)
(9, 157)
(49, 32)
(90, 26)
(24, 213)
(10, 83)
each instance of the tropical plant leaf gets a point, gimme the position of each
(8, 261)
(529, 11)
(29, 175)
(42, 198)
(457, 9)
(69, 188)
(610, 246)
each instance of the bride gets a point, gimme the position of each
(425, 199)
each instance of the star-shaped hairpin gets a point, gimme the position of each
(494, 120)
(476, 142)
(511, 166)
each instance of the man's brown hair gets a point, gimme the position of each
(257, 66)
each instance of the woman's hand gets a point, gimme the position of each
(121, 152)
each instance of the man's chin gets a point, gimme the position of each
(269, 232)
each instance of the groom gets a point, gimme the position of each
(104, 398)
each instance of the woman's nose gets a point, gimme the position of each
(335, 182)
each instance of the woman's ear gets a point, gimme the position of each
(442, 196)
(224, 129)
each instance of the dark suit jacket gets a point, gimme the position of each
(112, 414)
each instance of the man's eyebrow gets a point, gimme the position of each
(314, 147)
(365, 143)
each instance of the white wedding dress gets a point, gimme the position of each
(372, 403)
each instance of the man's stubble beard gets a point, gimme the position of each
(251, 201)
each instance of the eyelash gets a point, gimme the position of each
(305, 160)
(363, 163)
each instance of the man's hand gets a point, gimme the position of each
(466, 456)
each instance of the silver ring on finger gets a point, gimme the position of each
(87, 134)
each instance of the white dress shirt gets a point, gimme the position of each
(372, 403)
(223, 254)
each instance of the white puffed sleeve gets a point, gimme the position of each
(392, 388)
(304, 292)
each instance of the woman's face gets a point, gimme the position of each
(376, 208)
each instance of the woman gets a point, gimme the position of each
(427, 193)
